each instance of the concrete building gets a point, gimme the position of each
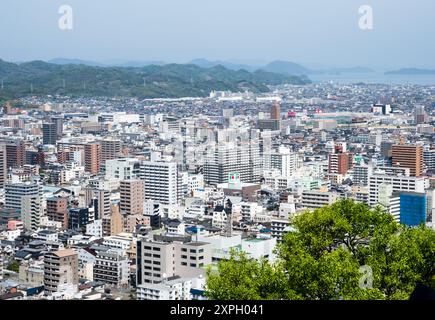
(173, 288)
(122, 169)
(111, 267)
(158, 260)
(110, 149)
(3, 166)
(57, 210)
(25, 197)
(409, 156)
(399, 184)
(318, 199)
(49, 133)
(162, 182)
(60, 270)
(92, 157)
(132, 197)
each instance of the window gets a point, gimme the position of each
(183, 257)
(184, 263)
(184, 249)
(156, 249)
(192, 251)
(193, 265)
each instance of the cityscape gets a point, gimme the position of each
(215, 180)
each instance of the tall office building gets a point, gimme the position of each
(3, 166)
(60, 271)
(26, 198)
(49, 133)
(409, 156)
(92, 157)
(162, 182)
(132, 197)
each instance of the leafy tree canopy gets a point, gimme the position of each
(342, 251)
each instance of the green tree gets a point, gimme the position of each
(322, 259)
(14, 266)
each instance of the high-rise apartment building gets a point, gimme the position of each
(132, 197)
(110, 149)
(92, 157)
(3, 166)
(25, 197)
(399, 184)
(157, 260)
(340, 163)
(15, 153)
(58, 124)
(408, 156)
(226, 157)
(101, 201)
(49, 133)
(275, 113)
(283, 160)
(162, 182)
(111, 267)
(57, 210)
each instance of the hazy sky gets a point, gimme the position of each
(312, 32)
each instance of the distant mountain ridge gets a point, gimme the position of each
(280, 66)
(411, 71)
(153, 81)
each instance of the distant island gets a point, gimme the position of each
(152, 81)
(411, 71)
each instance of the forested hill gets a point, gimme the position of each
(167, 81)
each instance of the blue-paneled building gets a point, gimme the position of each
(413, 208)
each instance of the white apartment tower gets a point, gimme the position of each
(25, 197)
(162, 182)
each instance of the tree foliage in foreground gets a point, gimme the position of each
(322, 260)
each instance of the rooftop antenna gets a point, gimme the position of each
(31, 87)
(2, 85)
(84, 85)
(64, 83)
(144, 82)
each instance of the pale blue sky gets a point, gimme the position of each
(312, 32)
